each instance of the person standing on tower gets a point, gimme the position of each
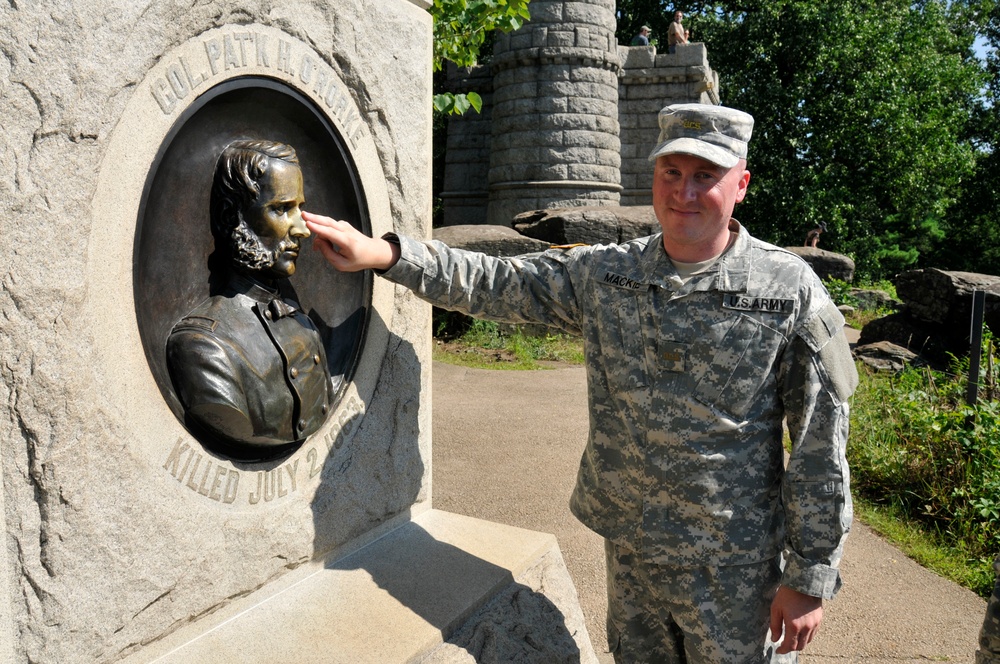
(676, 34)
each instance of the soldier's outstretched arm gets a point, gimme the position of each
(348, 249)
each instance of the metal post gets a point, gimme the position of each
(976, 346)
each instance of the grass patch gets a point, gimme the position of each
(488, 345)
(861, 317)
(929, 549)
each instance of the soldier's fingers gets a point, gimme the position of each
(318, 219)
(325, 228)
(788, 644)
(796, 638)
(329, 251)
(776, 623)
(340, 234)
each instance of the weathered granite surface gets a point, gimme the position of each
(489, 239)
(937, 309)
(930, 340)
(826, 264)
(588, 225)
(536, 619)
(118, 528)
(886, 356)
(400, 598)
(939, 296)
(874, 299)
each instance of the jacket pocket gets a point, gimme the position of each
(626, 355)
(740, 366)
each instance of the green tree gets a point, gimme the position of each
(460, 30)
(862, 115)
(974, 237)
(633, 14)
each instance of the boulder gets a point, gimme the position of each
(944, 297)
(827, 264)
(886, 356)
(868, 299)
(937, 309)
(588, 225)
(932, 341)
(492, 240)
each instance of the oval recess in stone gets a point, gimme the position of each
(174, 267)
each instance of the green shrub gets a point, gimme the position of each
(918, 449)
(882, 284)
(840, 291)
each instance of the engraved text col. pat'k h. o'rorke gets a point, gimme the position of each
(234, 52)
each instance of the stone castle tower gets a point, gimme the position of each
(568, 116)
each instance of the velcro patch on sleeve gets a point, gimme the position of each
(822, 327)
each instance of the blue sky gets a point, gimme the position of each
(980, 47)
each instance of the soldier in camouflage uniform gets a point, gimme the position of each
(989, 635)
(699, 342)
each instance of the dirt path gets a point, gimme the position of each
(506, 449)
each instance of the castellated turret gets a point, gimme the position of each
(568, 116)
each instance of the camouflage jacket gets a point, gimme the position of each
(688, 386)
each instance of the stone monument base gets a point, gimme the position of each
(441, 588)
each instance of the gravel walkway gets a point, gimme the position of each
(506, 449)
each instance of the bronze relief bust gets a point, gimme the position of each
(248, 365)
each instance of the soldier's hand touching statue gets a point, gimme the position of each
(346, 248)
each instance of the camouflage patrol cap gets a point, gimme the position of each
(715, 133)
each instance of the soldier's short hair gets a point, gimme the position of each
(237, 182)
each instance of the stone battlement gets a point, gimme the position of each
(568, 118)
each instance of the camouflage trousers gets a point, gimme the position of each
(704, 615)
(989, 635)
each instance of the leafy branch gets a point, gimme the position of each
(460, 29)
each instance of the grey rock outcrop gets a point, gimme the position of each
(932, 341)
(939, 296)
(937, 309)
(489, 239)
(827, 264)
(886, 356)
(869, 299)
(588, 225)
